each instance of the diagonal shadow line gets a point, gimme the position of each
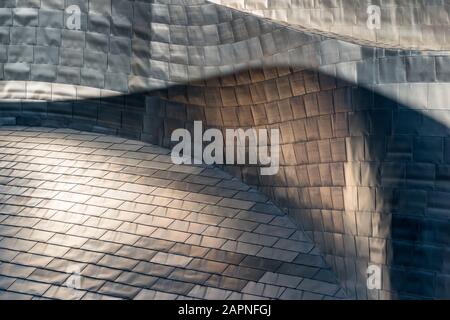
(388, 208)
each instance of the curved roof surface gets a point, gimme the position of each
(131, 224)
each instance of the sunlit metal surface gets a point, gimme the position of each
(85, 216)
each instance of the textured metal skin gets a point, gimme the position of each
(419, 24)
(364, 130)
(91, 216)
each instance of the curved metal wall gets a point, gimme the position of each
(365, 155)
(419, 24)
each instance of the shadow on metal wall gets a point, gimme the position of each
(392, 207)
